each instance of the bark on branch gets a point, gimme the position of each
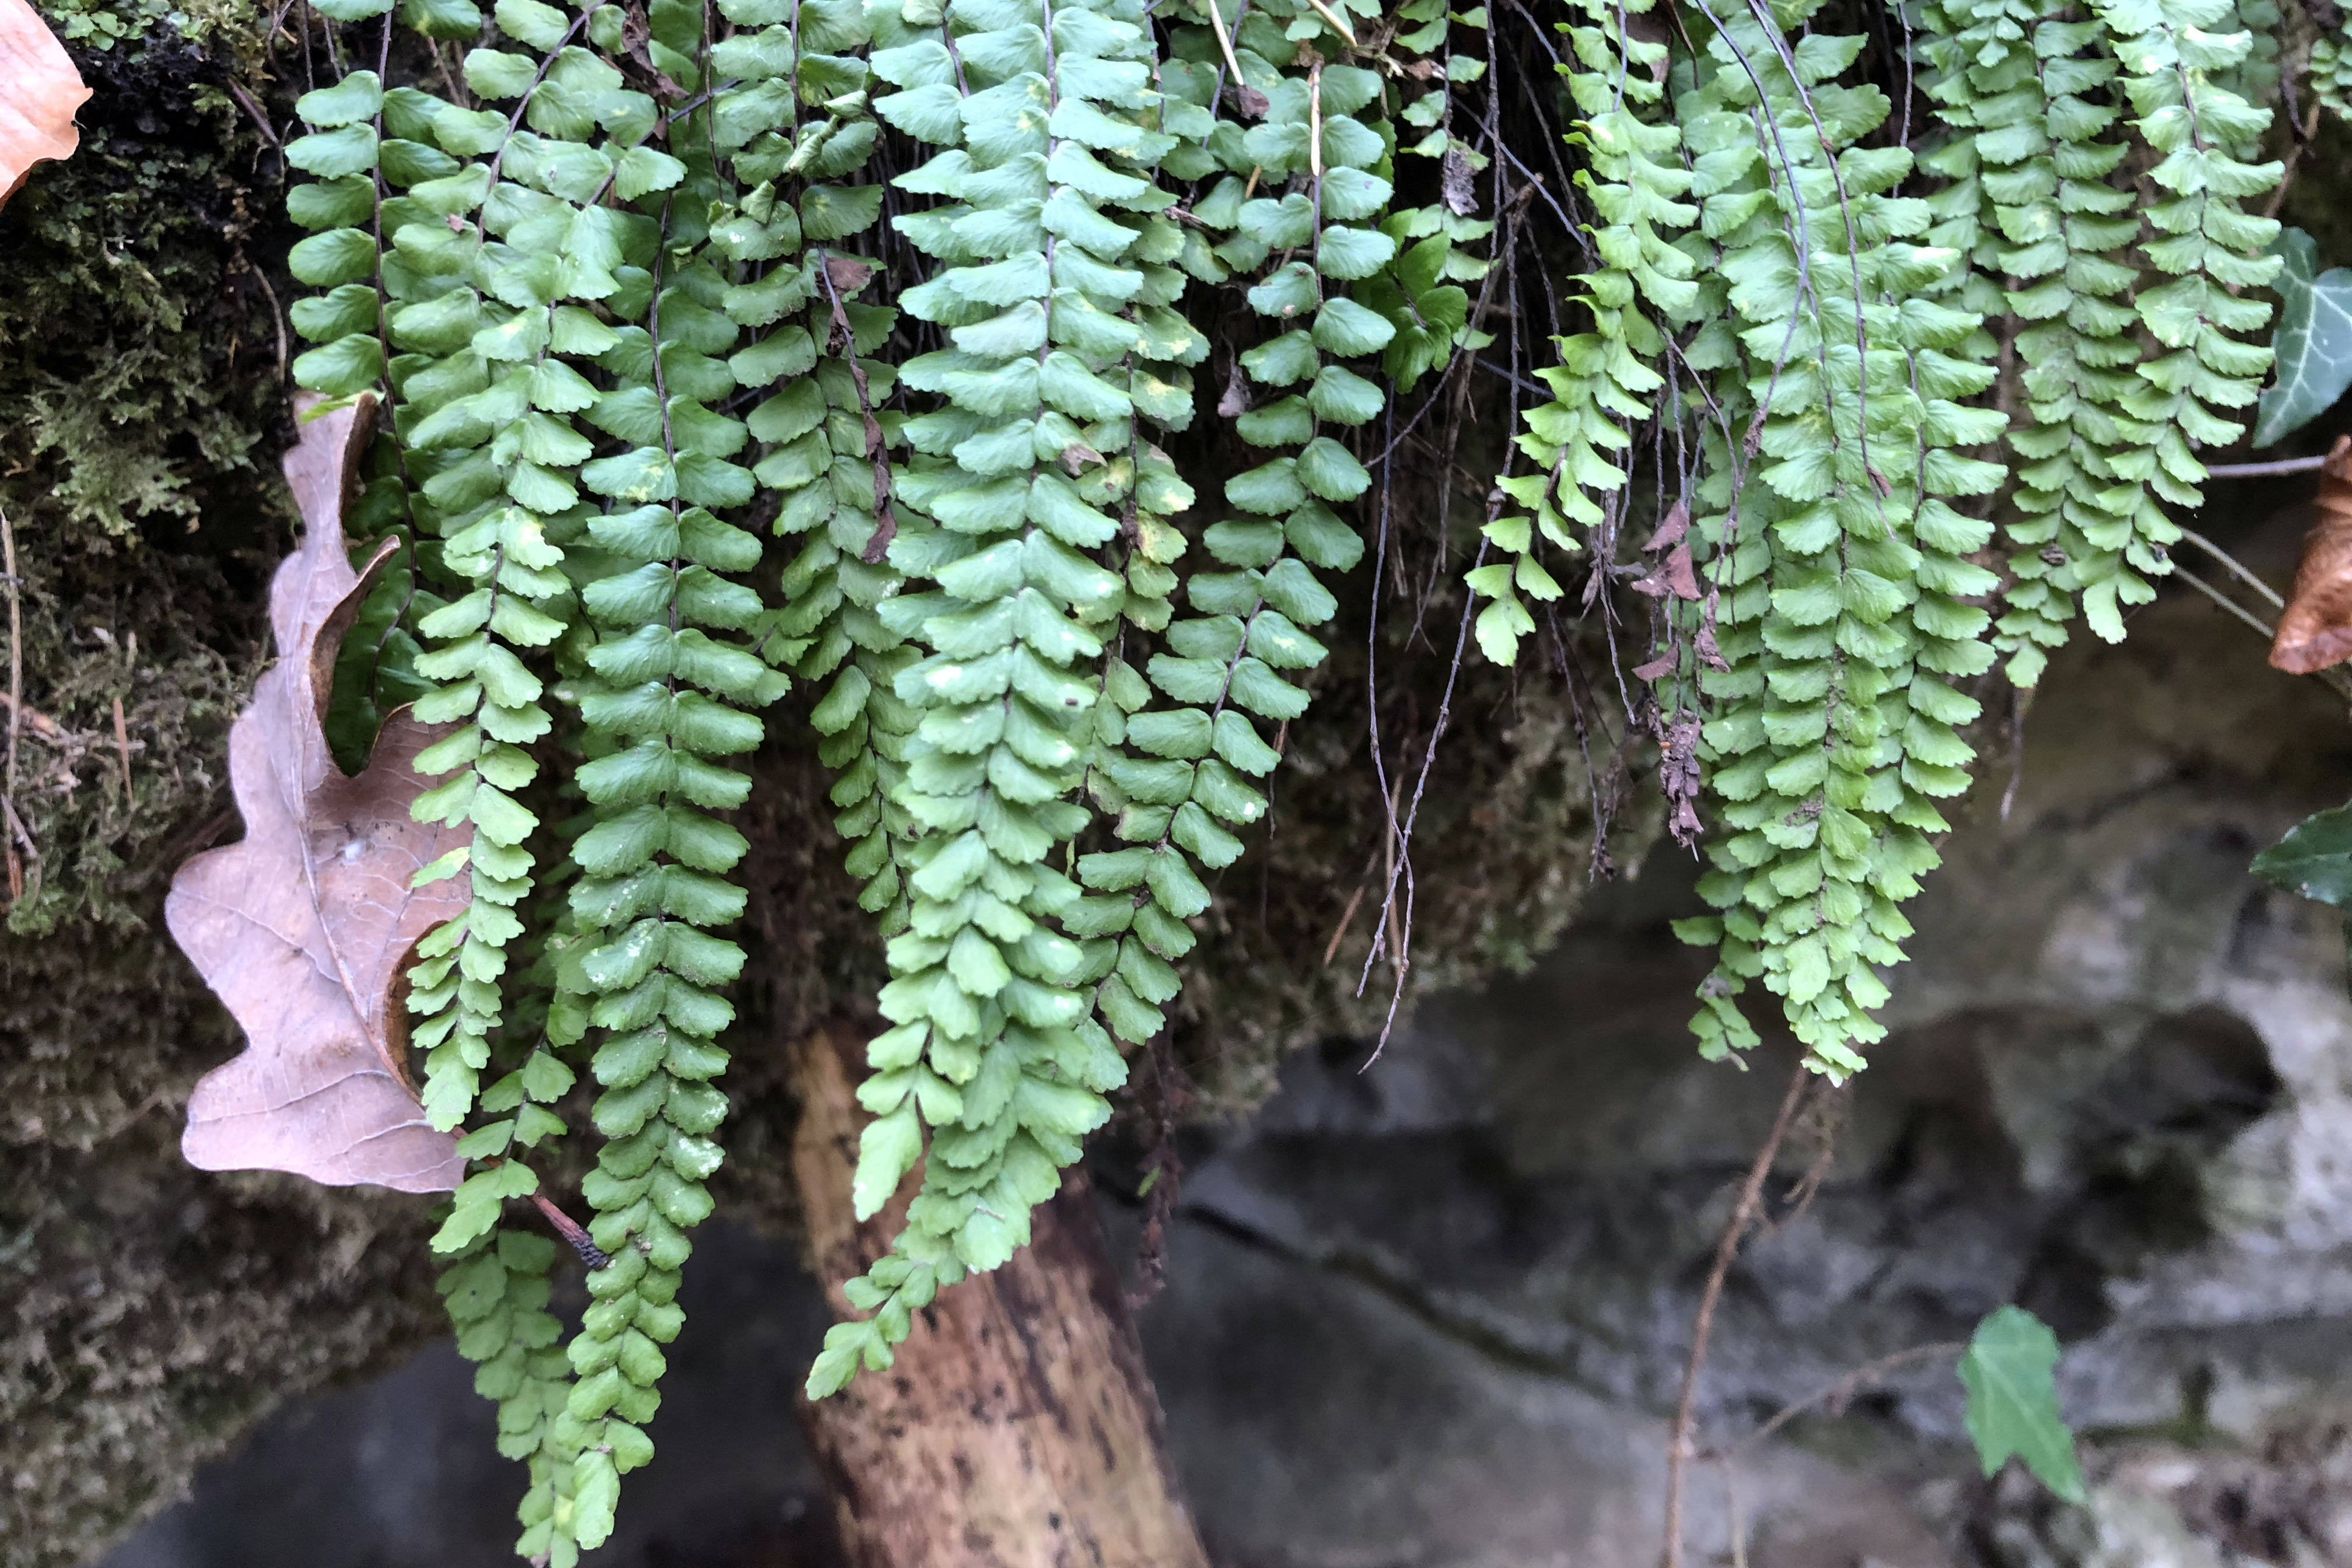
(1018, 1428)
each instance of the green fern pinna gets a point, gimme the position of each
(1019, 377)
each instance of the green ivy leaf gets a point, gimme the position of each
(2013, 1403)
(2313, 342)
(2315, 858)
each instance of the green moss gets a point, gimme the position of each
(137, 395)
(153, 1312)
(1500, 853)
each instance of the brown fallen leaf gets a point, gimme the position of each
(40, 90)
(2316, 629)
(304, 929)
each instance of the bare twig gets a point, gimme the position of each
(1337, 23)
(43, 727)
(2236, 567)
(2227, 603)
(573, 1232)
(1347, 919)
(1739, 1511)
(886, 522)
(1393, 930)
(2305, 130)
(2265, 470)
(1160, 1102)
(17, 833)
(1743, 1215)
(2018, 704)
(2336, 678)
(1837, 1391)
(253, 111)
(277, 318)
(1242, 93)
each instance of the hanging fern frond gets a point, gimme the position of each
(2330, 81)
(2108, 446)
(823, 427)
(1184, 789)
(1832, 730)
(1607, 378)
(2031, 202)
(497, 1294)
(1043, 110)
(2202, 239)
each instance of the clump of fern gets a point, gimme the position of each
(918, 303)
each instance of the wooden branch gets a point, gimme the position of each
(1018, 1427)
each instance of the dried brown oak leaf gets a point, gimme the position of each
(2316, 629)
(304, 929)
(40, 90)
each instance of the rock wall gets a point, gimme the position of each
(1445, 1302)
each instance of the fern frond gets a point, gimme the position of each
(1604, 384)
(1043, 110)
(1846, 622)
(1181, 779)
(2031, 201)
(2329, 82)
(824, 425)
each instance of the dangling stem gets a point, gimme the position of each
(1743, 1215)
